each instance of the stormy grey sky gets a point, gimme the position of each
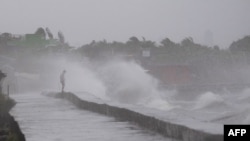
(82, 21)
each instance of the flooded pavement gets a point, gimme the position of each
(44, 118)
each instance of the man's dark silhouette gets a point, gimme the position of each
(2, 76)
(62, 79)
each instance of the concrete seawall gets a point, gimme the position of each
(162, 127)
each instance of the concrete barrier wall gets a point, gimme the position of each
(162, 127)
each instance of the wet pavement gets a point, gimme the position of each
(44, 118)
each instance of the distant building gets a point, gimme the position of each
(172, 75)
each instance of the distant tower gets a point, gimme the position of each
(208, 38)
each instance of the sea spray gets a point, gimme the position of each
(209, 100)
(128, 82)
(80, 78)
(118, 80)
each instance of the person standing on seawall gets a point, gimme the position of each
(62, 79)
(2, 76)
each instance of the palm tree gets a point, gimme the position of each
(61, 37)
(50, 35)
(41, 32)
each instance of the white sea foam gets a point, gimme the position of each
(209, 100)
(128, 82)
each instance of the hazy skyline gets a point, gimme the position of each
(82, 21)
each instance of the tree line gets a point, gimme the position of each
(209, 64)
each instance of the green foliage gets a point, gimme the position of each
(50, 35)
(133, 40)
(41, 33)
(207, 62)
(61, 37)
(6, 103)
(241, 45)
(12, 137)
(167, 43)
